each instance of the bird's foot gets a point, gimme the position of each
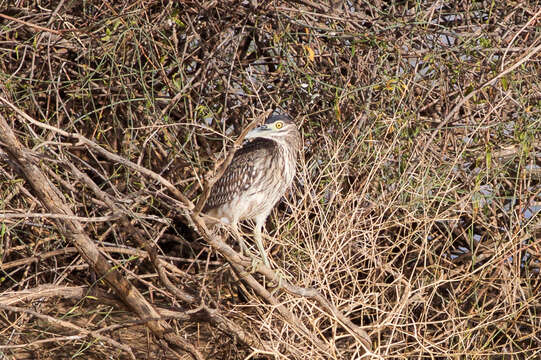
(256, 262)
(244, 249)
(282, 277)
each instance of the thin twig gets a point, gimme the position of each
(67, 325)
(490, 82)
(109, 155)
(34, 26)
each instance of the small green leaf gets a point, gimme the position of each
(505, 84)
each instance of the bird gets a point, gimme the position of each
(260, 173)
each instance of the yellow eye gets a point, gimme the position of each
(279, 125)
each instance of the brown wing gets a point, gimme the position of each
(240, 174)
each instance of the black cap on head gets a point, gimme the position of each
(276, 117)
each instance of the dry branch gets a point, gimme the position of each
(54, 321)
(73, 231)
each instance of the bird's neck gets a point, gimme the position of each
(289, 153)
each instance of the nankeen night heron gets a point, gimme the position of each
(258, 176)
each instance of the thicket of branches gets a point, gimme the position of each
(412, 228)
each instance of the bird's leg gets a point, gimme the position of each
(259, 241)
(240, 239)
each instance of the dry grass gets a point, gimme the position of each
(416, 218)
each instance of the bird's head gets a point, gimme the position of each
(279, 128)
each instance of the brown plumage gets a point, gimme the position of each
(258, 176)
(240, 174)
